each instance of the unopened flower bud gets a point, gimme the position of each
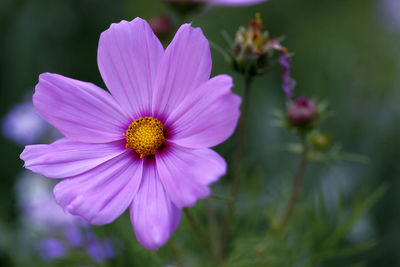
(161, 26)
(302, 111)
(320, 141)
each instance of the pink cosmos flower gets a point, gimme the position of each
(146, 145)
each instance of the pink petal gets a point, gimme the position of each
(207, 117)
(102, 194)
(66, 157)
(81, 111)
(186, 173)
(154, 217)
(128, 57)
(185, 66)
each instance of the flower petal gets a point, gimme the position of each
(185, 66)
(66, 157)
(81, 111)
(186, 173)
(207, 117)
(102, 194)
(128, 57)
(154, 217)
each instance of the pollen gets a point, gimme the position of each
(145, 135)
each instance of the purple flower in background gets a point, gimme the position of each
(285, 61)
(39, 207)
(62, 232)
(73, 234)
(23, 124)
(42, 215)
(146, 145)
(99, 250)
(288, 83)
(389, 14)
(51, 249)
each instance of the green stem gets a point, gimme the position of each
(235, 166)
(198, 232)
(215, 230)
(175, 253)
(298, 178)
(223, 198)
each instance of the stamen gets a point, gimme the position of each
(145, 136)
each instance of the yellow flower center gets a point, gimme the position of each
(145, 136)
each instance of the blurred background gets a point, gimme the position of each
(346, 52)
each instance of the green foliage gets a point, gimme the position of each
(314, 235)
(334, 154)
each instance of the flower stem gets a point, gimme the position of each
(198, 232)
(214, 229)
(175, 253)
(235, 166)
(296, 183)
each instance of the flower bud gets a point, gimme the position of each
(253, 51)
(161, 26)
(302, 111)
(250, 48)
(320, 141)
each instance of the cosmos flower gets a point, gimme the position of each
(146, 145)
